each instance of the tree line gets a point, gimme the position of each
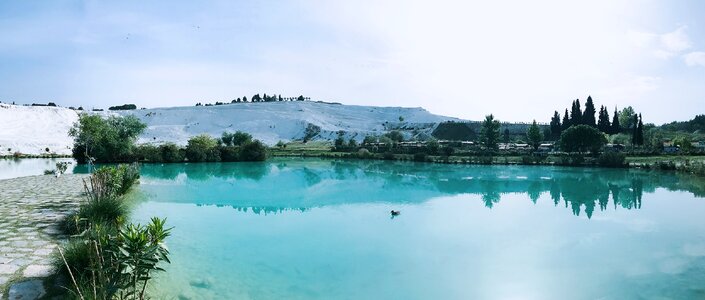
(258, 98)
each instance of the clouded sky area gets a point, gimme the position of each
(519, 60)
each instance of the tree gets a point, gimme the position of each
(369, 139)
(589, 113)
(566, 121)
(202, 148)
(635, 129)
(432, 147)
(555, 126)
(582, 138)
(395, 136)
(253, 150)
(640, 132)
(505, 135)
(533, 134)
(105, 140)
(239, 138)
(489, 133)
(576, 115)
(352, 144)
(244, 98)
(616, 127)
(603, 123)
(626, 118)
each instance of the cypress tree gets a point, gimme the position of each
(603, 122)
(566, 121)
(555, 125)
(576, 115)
(616, 128)
(635, 129)
(589, 113)
(640, 132)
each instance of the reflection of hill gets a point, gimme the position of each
(300, 184)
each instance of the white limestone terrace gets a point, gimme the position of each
(31, 130)
(30, 210)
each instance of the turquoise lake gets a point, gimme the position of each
(321, 229)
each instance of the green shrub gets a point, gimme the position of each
(200, 148)
(148, 153)
(229, 153)
(612, 160)
(171, 153)
(253, 151)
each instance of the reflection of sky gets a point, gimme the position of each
(11, 168)
(448, 247)
(291, 184)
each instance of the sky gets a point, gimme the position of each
(519, 60)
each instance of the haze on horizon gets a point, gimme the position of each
(518, 60)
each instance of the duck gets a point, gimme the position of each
(395, 212)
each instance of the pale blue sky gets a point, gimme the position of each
(517, 59)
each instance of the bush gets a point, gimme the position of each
(612, 160)
(253, 151)
(200, 148)
(582, 138)
(148, 153)
(171, 153)
(229, 153)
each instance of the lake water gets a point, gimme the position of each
(321, 229)
(11, 167)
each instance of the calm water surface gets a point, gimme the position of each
(12, 168)
(321, 229)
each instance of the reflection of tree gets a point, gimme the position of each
(351, 181)
(490, 192)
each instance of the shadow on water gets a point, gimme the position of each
(300, 184)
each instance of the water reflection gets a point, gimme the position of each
(296, 184)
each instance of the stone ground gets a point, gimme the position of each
(30, 210)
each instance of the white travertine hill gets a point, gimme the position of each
(30, 130)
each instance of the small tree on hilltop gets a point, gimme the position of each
(489, 133)
(582, 138)
(533, 134)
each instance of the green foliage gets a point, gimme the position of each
(432, 147)
(447, 150)
(369, 139)
(555, 126)
(612, 160)
(603, 121)
(616, 124)
(171, 153)
(489, 133)
(626, 118)
(533, 135)
(454, 131)
(395, 136)
(311, 132)
(576, 114)
(149, 153)
(105, 140)
(696, 124)
(582, 138)
(589, 113)
(202, 148)
(253, 151)
(106, 259)
(123, 107)
(240, 138)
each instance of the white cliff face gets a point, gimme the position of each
(34, 130)
(30, 130)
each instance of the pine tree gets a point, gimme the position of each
(616, 128)
(576, 115)
(566, 121)
(589, 113)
